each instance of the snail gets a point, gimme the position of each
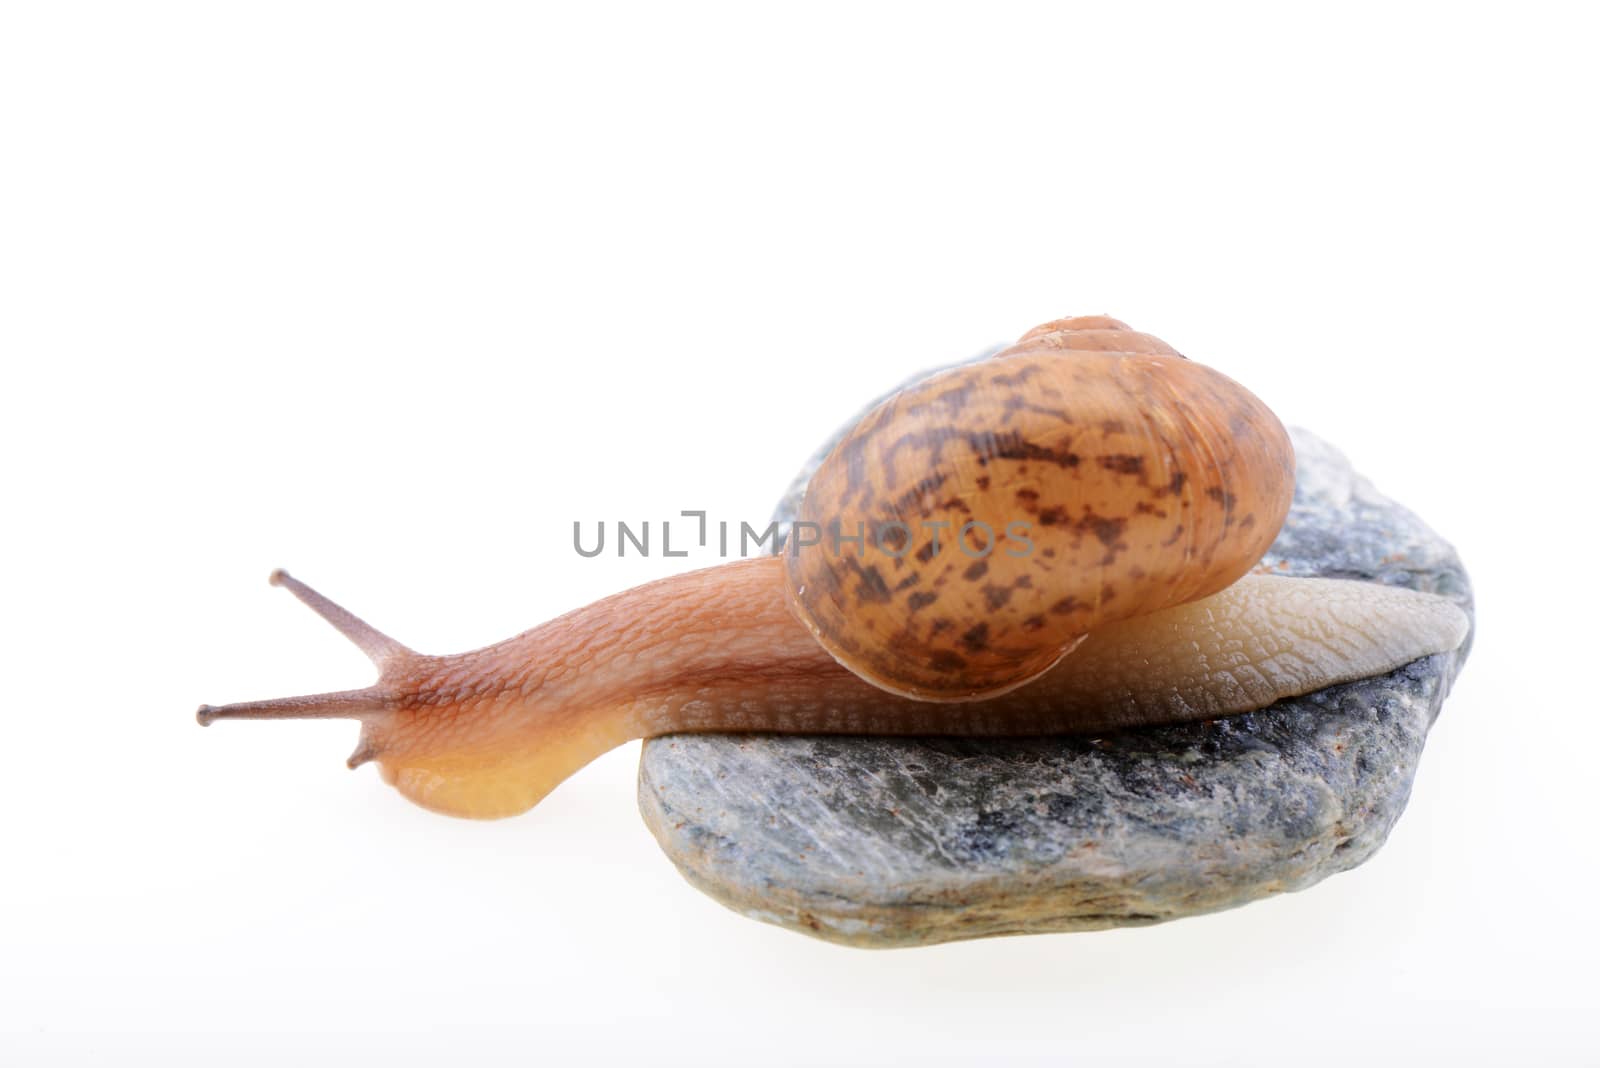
(1059, 539)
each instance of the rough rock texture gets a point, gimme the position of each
(902, 842)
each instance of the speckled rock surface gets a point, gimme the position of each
(903, 842)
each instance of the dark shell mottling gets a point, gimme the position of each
(972, 528)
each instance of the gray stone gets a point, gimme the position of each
(903, 842)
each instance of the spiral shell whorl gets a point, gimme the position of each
(1105, 477)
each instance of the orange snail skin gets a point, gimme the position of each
(1149, 487)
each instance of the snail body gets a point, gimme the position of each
(1144, 486)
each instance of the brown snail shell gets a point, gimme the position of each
(971, 530)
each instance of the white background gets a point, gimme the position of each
(390, 294)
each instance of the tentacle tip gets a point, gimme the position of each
(277, 577)
(205, 714)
